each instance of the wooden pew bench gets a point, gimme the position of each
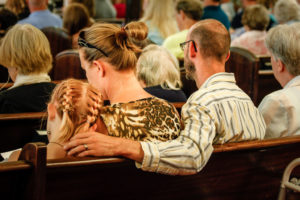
(18, 129)
(246, 170)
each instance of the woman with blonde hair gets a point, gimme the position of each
(159, 74)
(108, 56)
(160, 18)
(25, 52)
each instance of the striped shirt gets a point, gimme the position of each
(219, 112)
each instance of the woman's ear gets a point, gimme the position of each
(51, 111)
(100, 67)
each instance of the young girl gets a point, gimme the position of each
(75, 107)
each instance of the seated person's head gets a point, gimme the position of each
(157, 66)
(75, 18)
(191, 9)
(286, 11)
(108, 47)
(211, 39)
(90, 5)
(7, 20)
(16, 6)
(255, 17)
(74, 107)
(25, 50)
(283, 42)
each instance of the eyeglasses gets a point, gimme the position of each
(182, 45)
(83, 43)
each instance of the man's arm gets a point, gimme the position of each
(104, 145)
(189, 153)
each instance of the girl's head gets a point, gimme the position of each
(109, 45)
(74, 107)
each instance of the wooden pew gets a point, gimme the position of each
(246, 170)
(18, 129)
(67, 65)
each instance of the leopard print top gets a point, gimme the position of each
(150, 119)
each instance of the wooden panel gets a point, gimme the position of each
(266, 84)
(18, 129)
(245, 66)
(67, 65)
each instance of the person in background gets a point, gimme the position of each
(40, 16)
(188, 12)
(104, 9)
(212, 10)
(120, 6)
(219, 112)
(159, 17)
(28, 63)
(158, 73)
(19, 7)
(281, 109)
(236, 22)
(228, 7)
(89, 4)
(7, 20)
(255, 19)
(75, 18)
(287, 11)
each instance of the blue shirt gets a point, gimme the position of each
(42, 19)
(215, 12)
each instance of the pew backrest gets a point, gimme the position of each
(67, 65)
(20, 128)
(246, 170)
(245, 66)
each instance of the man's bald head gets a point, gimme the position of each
(212, 38)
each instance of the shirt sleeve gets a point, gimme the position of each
(187, 154)
(275, 116)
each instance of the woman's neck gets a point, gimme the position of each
(124, 87)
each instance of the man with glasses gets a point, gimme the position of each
(219, 112)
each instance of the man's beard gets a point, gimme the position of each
(189, 69)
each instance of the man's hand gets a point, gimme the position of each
(96, 144)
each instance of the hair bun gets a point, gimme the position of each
(137, 30)
(121, 38)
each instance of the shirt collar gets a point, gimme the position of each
(30, 79)
(218, 77)
(295, 81)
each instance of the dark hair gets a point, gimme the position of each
(191, 8)
(7, 20)
(76, 17)
(115, 42)
(212, 38)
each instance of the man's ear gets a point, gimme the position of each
(182, 14)
(100, 67)
(228, 56)
(51, 111)
(191, 49)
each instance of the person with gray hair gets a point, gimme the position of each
(159, 74)
(286, 11)
(281, 109)
(40, 16)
